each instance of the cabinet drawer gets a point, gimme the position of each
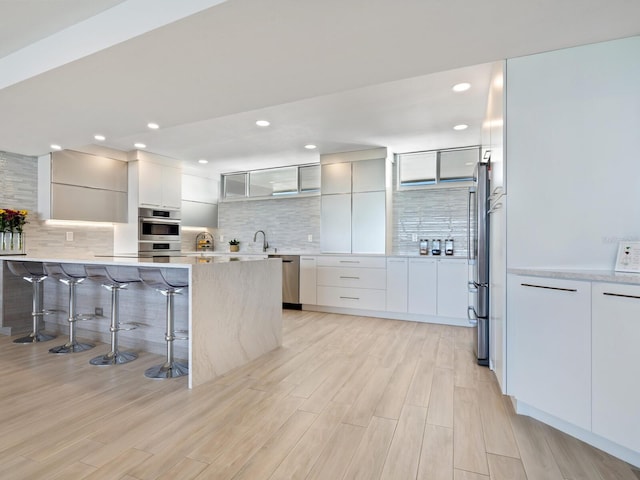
(367, 299)
(362, 262)
(352, 277)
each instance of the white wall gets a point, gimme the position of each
(572, 147)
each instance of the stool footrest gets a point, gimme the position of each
(127, 326)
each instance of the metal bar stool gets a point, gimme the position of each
(34, 273)
(71, 279)
(154, 278)
(114, 285)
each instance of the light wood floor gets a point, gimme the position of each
(346, 397)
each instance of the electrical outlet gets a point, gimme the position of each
(309, 238)
(99, 312)
(222, 238)
(69, 237)
(414, 237)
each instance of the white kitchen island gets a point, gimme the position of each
(234, 305)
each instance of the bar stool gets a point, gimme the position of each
(71, 279)
(34, 273)
(154, 278)
(114, 285)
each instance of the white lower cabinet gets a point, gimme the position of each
(308, 280)
(351, 282)
(453, 290)
(616, 369)
(422, 290)
(549, 355)
(397, 282)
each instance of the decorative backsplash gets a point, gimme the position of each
(287, 222)
(437, 213)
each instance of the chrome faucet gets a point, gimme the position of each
(265, 245)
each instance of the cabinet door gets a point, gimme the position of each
(335, 178)
(308, 280)
(423, 286)
(397, 282)
(335, 213)
(368, 222)
(368, 175)
(199, 189)
(453, 288)
(171, 187)
(197, 214)
(616, 370)
(550, 346)
(150, 184)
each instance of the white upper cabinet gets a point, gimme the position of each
(335, 218)
(159, 183)
(336, 178)
(368, 175)
(368, 222)
(199, 189)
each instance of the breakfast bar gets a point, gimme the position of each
(231, 308)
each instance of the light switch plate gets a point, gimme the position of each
(69, 236)
(414, 237)
(309, 238)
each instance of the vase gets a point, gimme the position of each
(3, 241)
(234, 248)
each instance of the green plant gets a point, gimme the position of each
(234, 242)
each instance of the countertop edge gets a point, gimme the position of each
(585, 275)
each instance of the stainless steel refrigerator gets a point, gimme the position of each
(478, 256)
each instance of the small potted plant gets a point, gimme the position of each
(234, 245)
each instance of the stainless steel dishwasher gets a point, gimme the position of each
(290, 280)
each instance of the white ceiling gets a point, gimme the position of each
(342, 75)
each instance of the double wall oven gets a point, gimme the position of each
(158, 232)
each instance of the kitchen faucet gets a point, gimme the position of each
(265, 245)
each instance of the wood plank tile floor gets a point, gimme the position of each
(346, 397)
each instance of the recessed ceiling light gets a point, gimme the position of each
(202, 160)
(263, 123)
(153, 126)
(100, 138)
(462, 126)
(461, 87)
(139, 145)
(310, 146)
(55, 147)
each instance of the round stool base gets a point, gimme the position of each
(34, 338)
(71, 348)
(114, 358)
(168, 370)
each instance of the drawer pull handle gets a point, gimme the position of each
(349, 261)
(620, 295)
(353, 278)
(549, 288)
(350, 298)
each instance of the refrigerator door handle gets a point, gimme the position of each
(471, 254)
(473, 288)
(472, 320)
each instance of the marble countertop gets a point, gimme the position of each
(576, 274)
(123, 260)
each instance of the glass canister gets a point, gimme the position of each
(448, 246)
(435, 247)
(424, 246)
